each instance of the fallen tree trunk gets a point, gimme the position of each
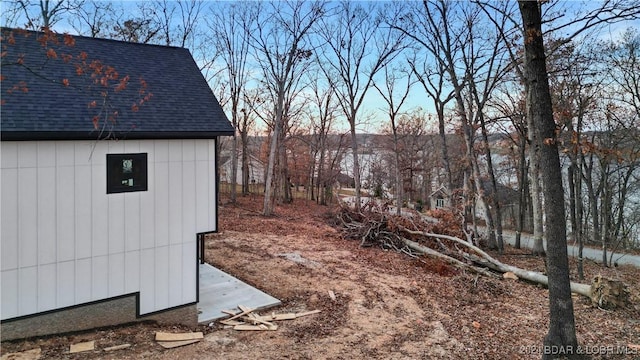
(603, 292)
(490, 262)
(376, 228)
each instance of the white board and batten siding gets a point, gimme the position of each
(66, 242)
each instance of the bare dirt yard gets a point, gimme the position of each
(387, 305)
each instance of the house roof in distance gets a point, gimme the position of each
(55, 90)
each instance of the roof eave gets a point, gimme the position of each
(135, 135)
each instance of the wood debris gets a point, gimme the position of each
(117, 347)
(83, 346)
(171, 340)
(32, 354)
(248, 320)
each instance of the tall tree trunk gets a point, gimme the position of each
(356, 163)
(562, 333)
(269, 198)
(522, 189)
(573, 209)
(536, 190)
(495, 199)
(244, 139)
(399, 179)
(234, 163)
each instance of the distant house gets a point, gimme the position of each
(257, 170)
(440, 198)
(102, 232)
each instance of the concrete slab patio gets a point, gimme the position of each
(221, 291)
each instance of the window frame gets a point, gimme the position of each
(116, 175)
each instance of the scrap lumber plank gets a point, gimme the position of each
(162, 336)
(174, 344)
(277, 317)
(332, 295)
(231, 322)
(242, 313)
(307, 313)
(260, 327)
(117, 347)
(83, 346)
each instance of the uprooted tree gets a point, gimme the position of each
(418, 235)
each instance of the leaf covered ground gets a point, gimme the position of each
(387, 305)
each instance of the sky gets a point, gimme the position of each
(374, 106)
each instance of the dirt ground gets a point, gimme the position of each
(387, 305)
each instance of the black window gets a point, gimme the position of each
(126, 173)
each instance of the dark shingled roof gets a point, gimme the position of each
(36, 105)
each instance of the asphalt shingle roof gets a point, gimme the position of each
(181, 105)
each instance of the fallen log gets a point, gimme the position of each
(392, 232)
(603, 292)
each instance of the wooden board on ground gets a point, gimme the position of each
(307, 313)
(278, 317)
(117, 347)
(261, 327)
(83, 346)
(162, 336)
(174, 344)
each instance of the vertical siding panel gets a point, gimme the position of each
(147, 199)
(9, 292)
(212, 185)
(9, 224)
(99, 212)
(189, 201)
(99, 277)
(28, 290)
(147, 281)
(46, 223)
(9, 154)
(176, 276)
(162, 203)
(65, 213)
(47, 283)
(189, 275)
(132, 263)
(202, 198)
(83, 279)
(65, 153)
(161, 276)
(116, 223)
(175, 202)
(132, 221)
(27, 154)
(188, 150)
(116, 274)
(83, 211)
(147, 218)
(27, 218)
(66, 284)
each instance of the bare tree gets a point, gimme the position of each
(395, 96)
(229, 29)
(186, 13)
(92, 18)
(282, 49)
(358, 47)
(45, 13)
(562, 332)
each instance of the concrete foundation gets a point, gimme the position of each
(120, 310)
